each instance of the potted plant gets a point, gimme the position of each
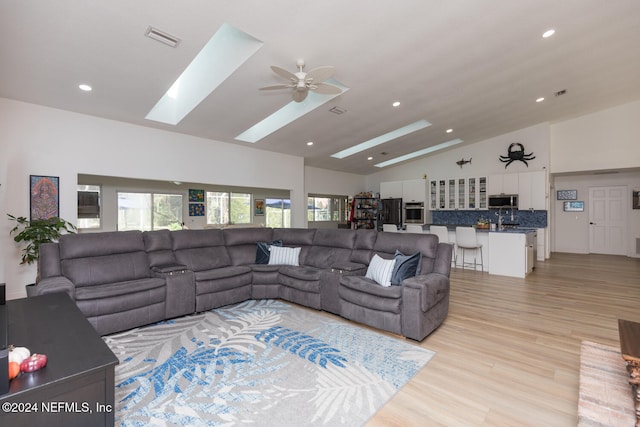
(36, 232)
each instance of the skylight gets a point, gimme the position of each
(227, 50)
(419, 153)
(287, 114)
(405, 130)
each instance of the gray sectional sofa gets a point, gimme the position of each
(121, 280)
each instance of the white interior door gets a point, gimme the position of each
(607, 220)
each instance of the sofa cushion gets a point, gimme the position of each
(116, 289)
(158, 245)
(301, 273)
(263, 251)
(98, 270)
(366, 293)
(99, 244)
(409, 243)
(406, 266)
(380, 270)
(222, 273)
(241, 243)
(363, 246)
(284, 256)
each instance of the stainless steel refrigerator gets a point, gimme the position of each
(391, 212)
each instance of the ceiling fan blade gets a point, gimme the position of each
(326, 89)
(320, 74)
(276, 87)
(284, 73)
(300, 95)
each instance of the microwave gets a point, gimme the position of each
(509, 201)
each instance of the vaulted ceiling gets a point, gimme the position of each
(476, 67)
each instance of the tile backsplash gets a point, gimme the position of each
(533, 219)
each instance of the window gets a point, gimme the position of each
(327, 208)
(278, 213)
(88, 206)
(149, 211)
(228, 208)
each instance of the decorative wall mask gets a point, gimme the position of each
(516, 152)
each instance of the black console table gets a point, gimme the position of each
(76, 388)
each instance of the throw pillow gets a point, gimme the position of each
(380, 270)
(406, 266)
(284, 256)
(263, 251)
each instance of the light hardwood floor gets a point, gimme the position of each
(508, 354)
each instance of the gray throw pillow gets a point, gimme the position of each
(406, 266)
(263, 252)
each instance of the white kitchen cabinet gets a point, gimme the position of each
(532, 193)
(414, 190)
(506, 183)
(391, 189)
(458, 193)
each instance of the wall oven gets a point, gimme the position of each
(414, 213)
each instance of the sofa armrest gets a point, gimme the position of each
(55, 284)
(432, 288)
(349, 268)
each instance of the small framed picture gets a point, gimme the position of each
(258, 207)
(196, 196)
(567, 195)
(573, 206)
(44, 196)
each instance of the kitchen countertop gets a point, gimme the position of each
(516, 230)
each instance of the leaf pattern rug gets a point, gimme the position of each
(260, 362)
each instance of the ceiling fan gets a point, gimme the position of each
(303, 82)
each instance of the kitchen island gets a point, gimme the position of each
(506, 252)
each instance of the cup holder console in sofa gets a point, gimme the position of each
(122, 280)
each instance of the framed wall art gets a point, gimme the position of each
(258, 207)
(196, 196)
(567, 195)
(573, 206)
(196, 209)
(44, 196)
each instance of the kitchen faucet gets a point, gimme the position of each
(499, 214)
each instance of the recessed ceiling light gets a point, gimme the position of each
(85, 87)
(548, 33)
(394, 134)
(419, 153)
(369, 158)
(396, 104)
(540, 99)
(449, 130)
(310, 143)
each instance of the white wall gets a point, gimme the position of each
(37, 140)
(608, 139)
(570, 230)
(323, 181)
(484, 155)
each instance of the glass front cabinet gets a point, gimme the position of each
(458, 193)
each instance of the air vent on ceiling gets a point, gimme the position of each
(162, 37)
(337, 110)
(561, 92)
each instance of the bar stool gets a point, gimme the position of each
(443, 237)
(466, 239)
(414, 228)
(390, 228)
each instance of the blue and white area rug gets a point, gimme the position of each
(265, 363)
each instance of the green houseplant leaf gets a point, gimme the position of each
(34, 233)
